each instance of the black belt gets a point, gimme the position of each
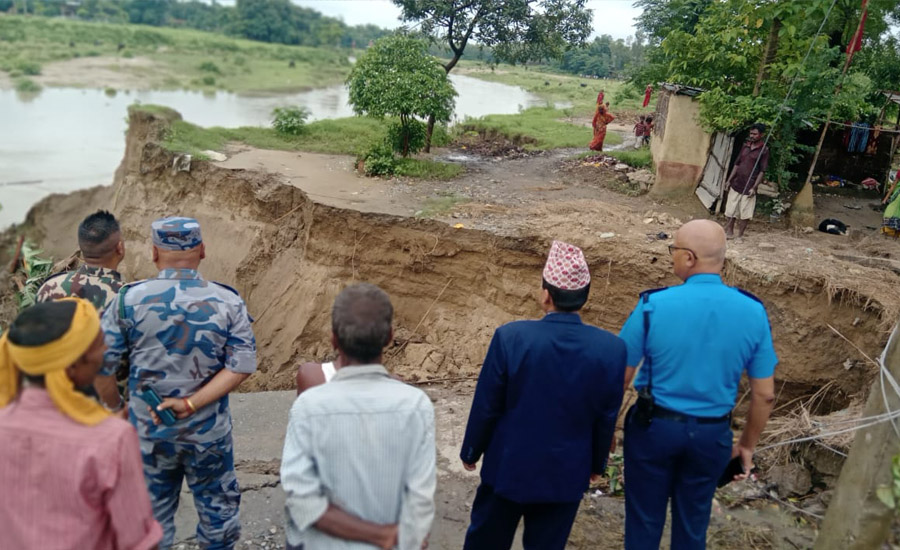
(661, 412)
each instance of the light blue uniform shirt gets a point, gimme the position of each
(703, 335)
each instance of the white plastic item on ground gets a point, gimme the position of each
(215, 155)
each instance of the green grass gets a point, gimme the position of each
(538, 128)
(427, 169)
(170, 58)
(440, 205)
(560, 87)
(27, 86)
(339, 136)
(637, 158)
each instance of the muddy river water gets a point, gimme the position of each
(63, 139)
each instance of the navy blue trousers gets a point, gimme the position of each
(681, 461)
(495, 519)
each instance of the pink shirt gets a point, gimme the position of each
(67, 486)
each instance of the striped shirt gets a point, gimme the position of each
(363, 442)
(67, 486)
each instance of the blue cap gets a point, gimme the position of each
(176, 233)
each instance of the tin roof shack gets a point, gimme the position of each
(680, 146)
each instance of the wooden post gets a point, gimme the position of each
(856, 519)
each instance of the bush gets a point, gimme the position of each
(209, 67)
(290, 120)
(30, 68)
(209, 81)
(407, 138)
(379, 160)
(27, 85)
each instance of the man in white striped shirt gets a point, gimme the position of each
(359, 455)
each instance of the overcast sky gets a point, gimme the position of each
(613, 17)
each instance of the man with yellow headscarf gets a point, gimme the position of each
(70, 473)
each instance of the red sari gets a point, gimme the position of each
(601, 119)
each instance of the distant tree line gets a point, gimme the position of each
(605, 57)
(277, 21)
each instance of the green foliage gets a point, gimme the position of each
(396, 77)
(720, 46)
(636, 158)
(176, 54)
(29, 68)
(615, 472)
(209, 67)
(290, 120)
(208, 81)
(407, 139)
(604, 56)
(538, 128)
(35, 268)
(516, 31)
(889, 495)
(427, 169)
(27, 86)
(379, 160)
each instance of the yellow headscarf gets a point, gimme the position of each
(51, 360)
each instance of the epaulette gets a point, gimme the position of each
(749, 295)
(226, 287)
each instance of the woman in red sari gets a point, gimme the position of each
(601, 119)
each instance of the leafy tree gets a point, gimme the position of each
(517, 31)
(396, 77)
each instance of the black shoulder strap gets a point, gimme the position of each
(645, 298)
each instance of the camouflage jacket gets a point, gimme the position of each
(98, 285)
(179, 331)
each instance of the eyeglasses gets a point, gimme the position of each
(672, 248)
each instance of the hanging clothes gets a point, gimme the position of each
(872, 148)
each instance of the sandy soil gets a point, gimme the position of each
(96, 72)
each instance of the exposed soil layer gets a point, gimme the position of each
(289, 255)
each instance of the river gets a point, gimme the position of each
(64, 139)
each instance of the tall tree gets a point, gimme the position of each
(517, 31)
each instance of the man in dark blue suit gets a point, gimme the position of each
(544, 415)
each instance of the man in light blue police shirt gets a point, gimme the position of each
(695, 340)
(190, 341)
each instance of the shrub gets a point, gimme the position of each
(209, 67)
(379, 160)
(27, 85)
(30, 68)
(290, 120)
(209, 81)
(407, 138)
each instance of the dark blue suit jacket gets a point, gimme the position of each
(545, 408)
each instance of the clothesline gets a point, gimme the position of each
(852, 125)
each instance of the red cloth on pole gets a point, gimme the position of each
(647, 94)
(856, 42)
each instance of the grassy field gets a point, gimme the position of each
(177, 58)
(342, 136)
(571, 102)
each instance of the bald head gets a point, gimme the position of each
(706, 239)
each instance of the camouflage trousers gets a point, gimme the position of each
(209, 471)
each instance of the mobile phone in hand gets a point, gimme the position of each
(153, 399)
(735, 467)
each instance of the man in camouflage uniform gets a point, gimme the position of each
(97, 281)
(190, 340)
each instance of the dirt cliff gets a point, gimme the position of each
(289, 256)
